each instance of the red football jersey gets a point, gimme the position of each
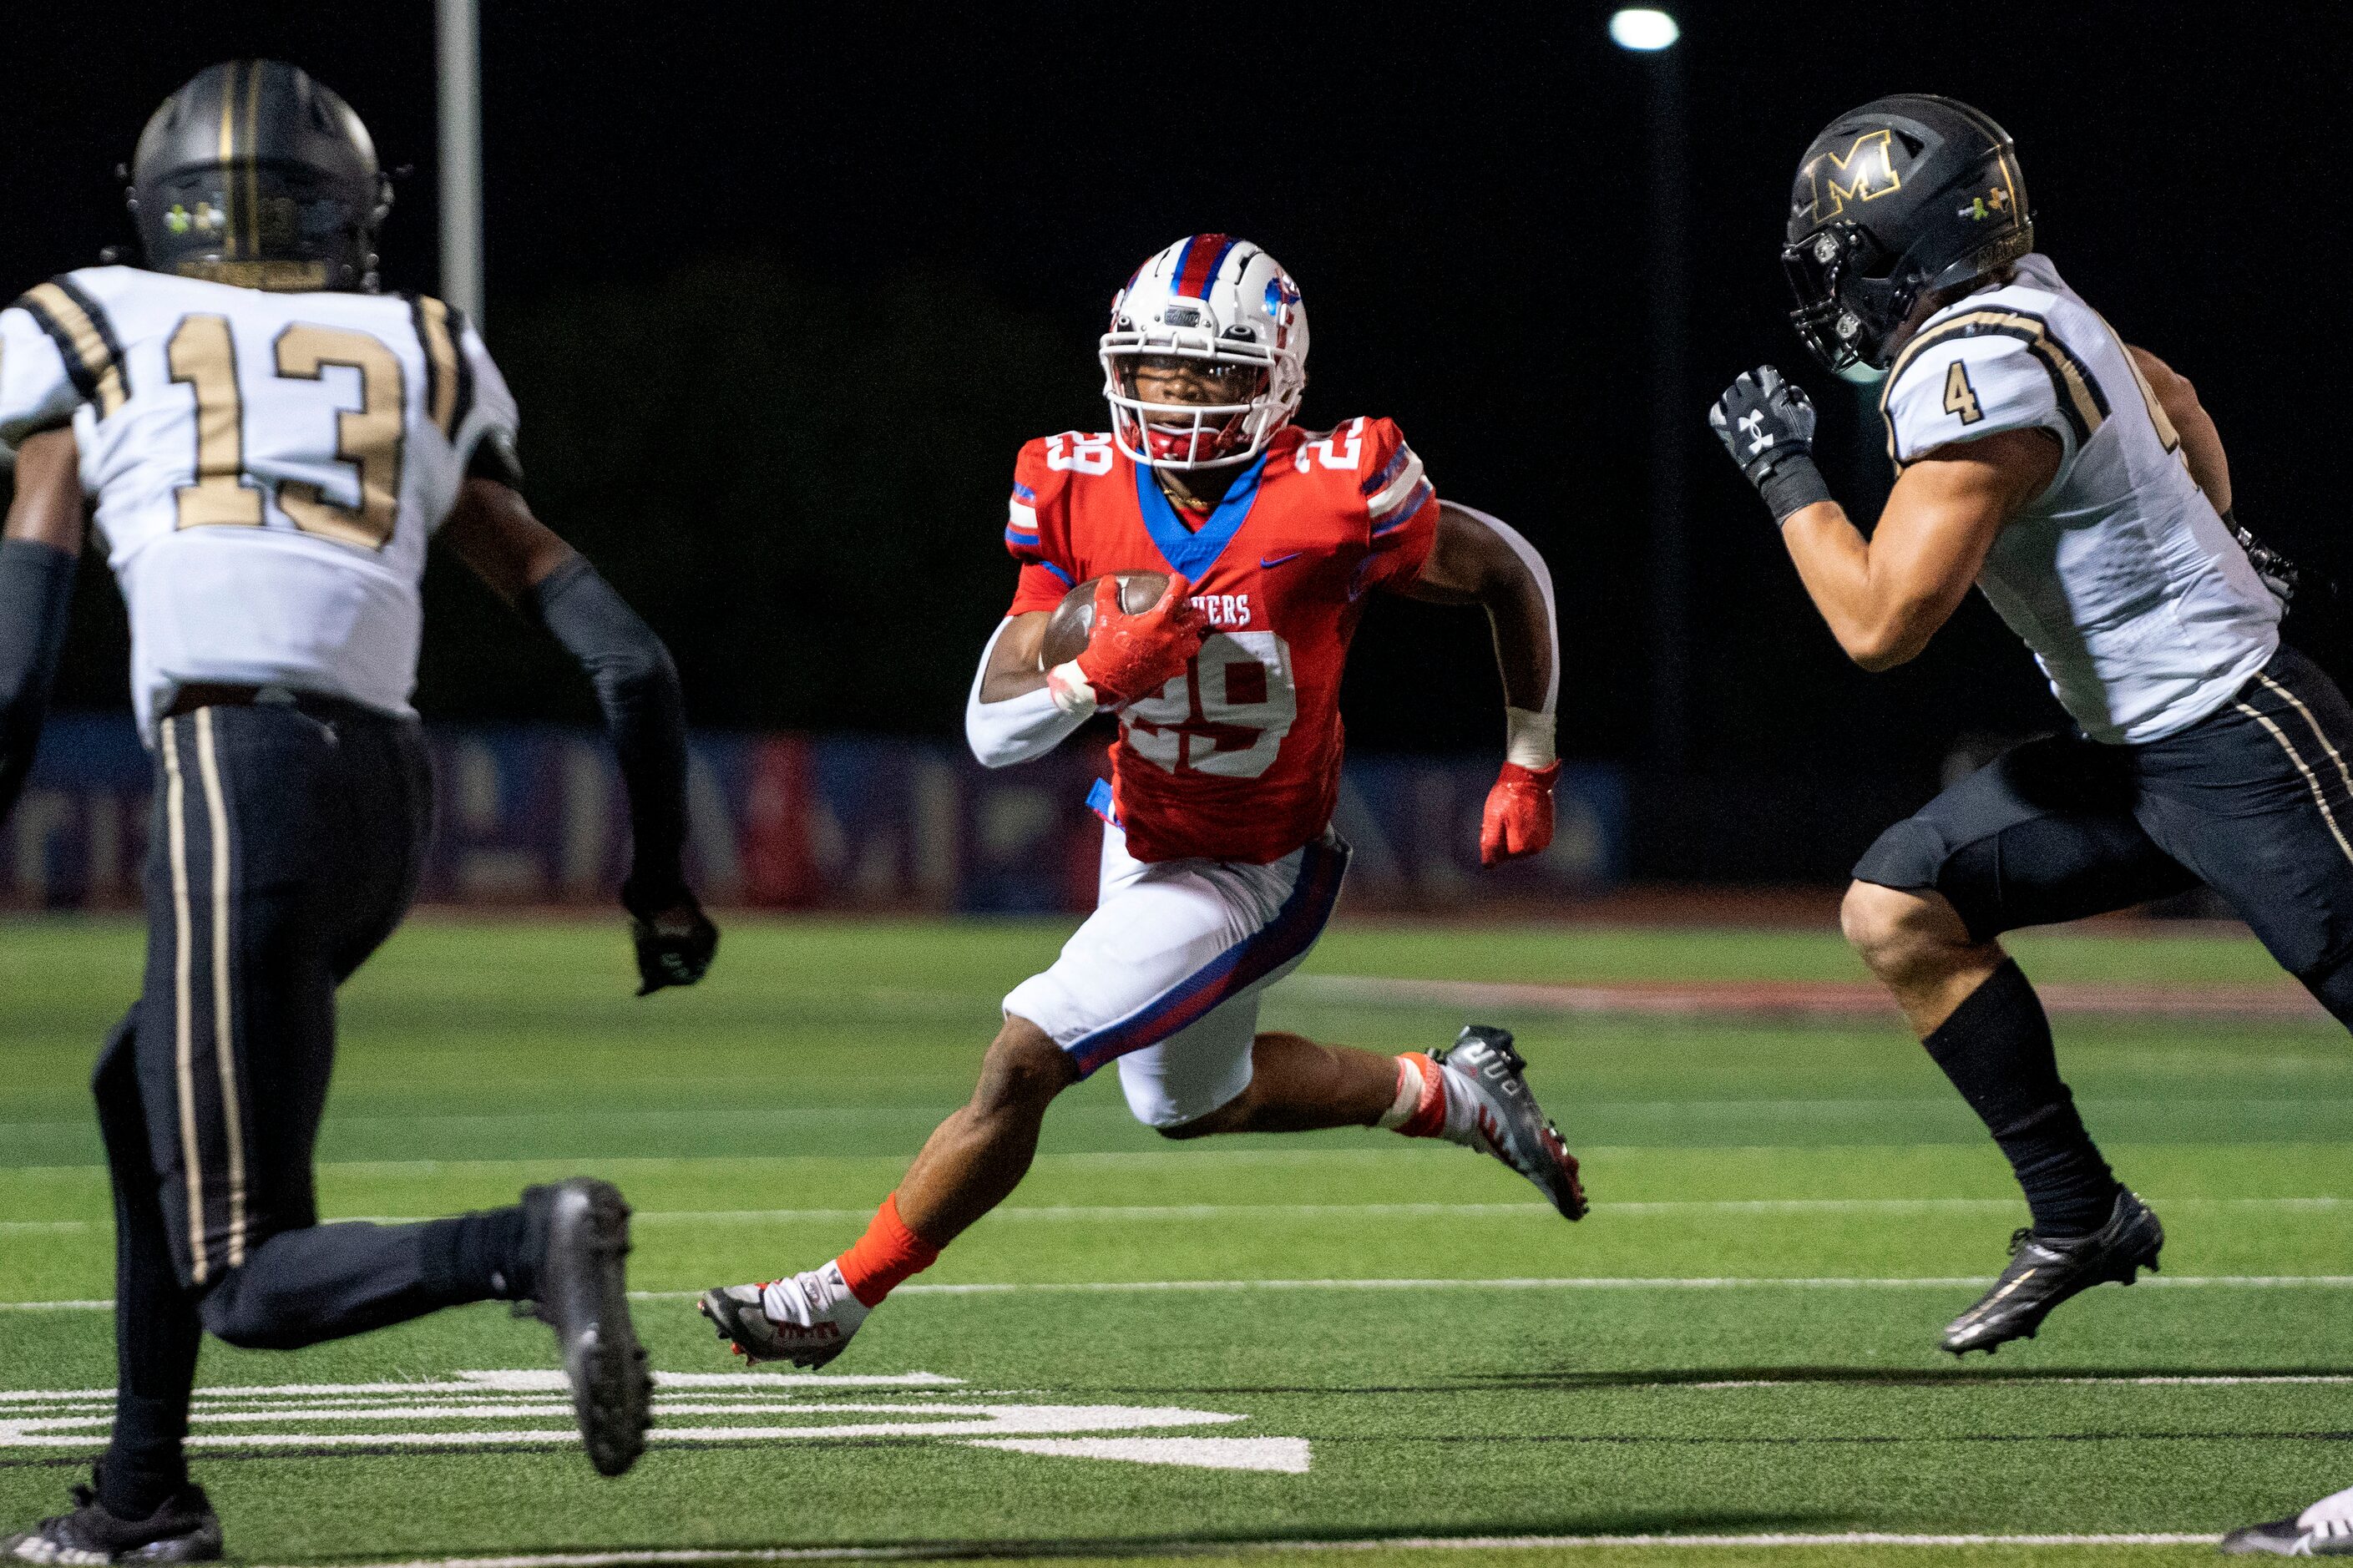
(1238, 758)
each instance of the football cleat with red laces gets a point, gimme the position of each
(806, 1319)
(1512, 1126)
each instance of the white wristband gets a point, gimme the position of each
(1068, 684)
(1528, 739)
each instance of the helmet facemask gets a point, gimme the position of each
(1852, 298)
(1232, 428)
(1213, 329)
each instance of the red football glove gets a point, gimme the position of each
(1128, 657)
(1518, 819)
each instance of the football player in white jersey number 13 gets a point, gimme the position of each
(2077, 481)
(268, 446)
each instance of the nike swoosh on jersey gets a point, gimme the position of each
(1266, 561)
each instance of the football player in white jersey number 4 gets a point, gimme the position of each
(269, 446)
(2078, 482)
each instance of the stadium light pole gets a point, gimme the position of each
(458, 35)
(1652, 35)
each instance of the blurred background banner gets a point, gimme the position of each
(533, 814)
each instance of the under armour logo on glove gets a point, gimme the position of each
(1768, 427)
(1767, 417)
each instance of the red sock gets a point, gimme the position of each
(886, 1256)
(1420, 1108)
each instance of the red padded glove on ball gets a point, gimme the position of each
(1128, 657)
(1518, 819)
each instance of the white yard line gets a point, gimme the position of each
(527, 1380)
(1629, 1282)
(2195, 1282)
(1124, 1212)
(1203, 1547)
(1897, 1380)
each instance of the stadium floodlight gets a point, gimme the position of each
(1643, 30)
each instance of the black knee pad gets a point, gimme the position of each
(1908, 858)
(234, 1316)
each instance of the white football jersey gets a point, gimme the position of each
(267, 468)
(2136, 600)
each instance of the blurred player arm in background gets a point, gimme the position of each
(1885, 597)
(2202, 450)
(39, 553)
(2202, 444)
(524, 562)
(1481, 560)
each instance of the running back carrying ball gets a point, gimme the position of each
(1073, 619)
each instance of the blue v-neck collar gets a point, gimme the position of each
(1193, 550)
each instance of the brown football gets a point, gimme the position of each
(1073, 620)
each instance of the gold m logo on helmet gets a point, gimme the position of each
(1868, 170)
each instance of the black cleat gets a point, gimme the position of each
(2041, 1273)
(183, 1529)
(578, 1231)
(1513, 1126)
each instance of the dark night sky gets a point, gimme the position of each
(1460, 193)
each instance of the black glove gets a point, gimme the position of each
(676, 941)
(1767, 426)
(2283, 576)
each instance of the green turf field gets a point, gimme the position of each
(1737, 1343)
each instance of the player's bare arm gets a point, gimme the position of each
(1885, 597)
(1010, 668)
(1476, 561)
(39, 550)
(1481, 560)
(523, 561)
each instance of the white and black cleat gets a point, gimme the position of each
(806, 1320)
(580, 1289)
(184, 1528)
(2042, 1273)
(2324, 1529)
(1512, 1126)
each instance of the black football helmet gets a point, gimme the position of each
(1904, 196)
(254, 173)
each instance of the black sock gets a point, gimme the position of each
(144, 1468)
(1995, 1047)
(477, 1257)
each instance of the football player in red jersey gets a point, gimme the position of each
(1219, 863)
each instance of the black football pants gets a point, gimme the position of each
(284, 846)
(2255, 800)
